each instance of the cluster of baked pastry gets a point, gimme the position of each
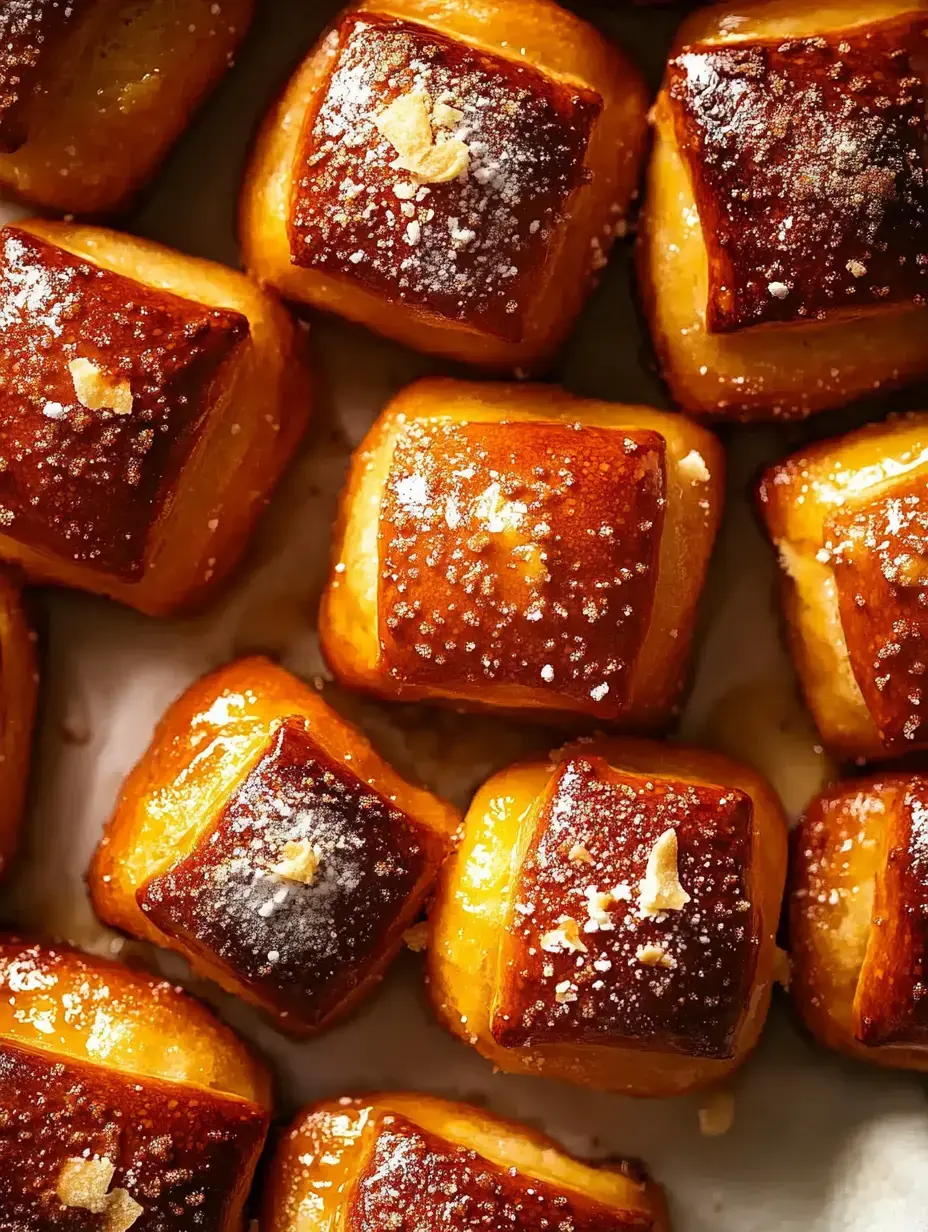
(453, 176)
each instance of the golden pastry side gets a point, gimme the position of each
(468, 969)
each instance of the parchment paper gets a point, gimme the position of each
(818, 1143)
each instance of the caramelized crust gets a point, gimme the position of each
(302, 948)
(264, 839)
(85, 482)
(415, 1179)
(880, 558)
(693, 1000)
(859, 889)
(93, 93)
(515, 547)
(30, 34)
(18, 681)
(827, 143)
(847, 517)
(411, 1161)
(470, 250)
(892, 993)
(520, 554)
(185, 1159)
(610, 917)
(148, 403)
(449, 175)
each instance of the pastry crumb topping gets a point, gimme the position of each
(407, 125)
(417, 937)
(693, 467)
(84, 1183)
(565, 937)
(578, 854)
(99, 390)
(717, 1114)
(653, 955)
(565, 992)
(661, 889)
(121, 1212)
(300, 862)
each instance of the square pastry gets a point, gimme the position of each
(516, 548)
(115, 391)
(412, 1161)
(450, 180)
(290, 859)
(859, 919)
(849, 519)
(93, 93)
(621, 903)
(785, 246)
(124, 1103)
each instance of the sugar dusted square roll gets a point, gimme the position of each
(517, 548)
(265, 840)
(452, 177)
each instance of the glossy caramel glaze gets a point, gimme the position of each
(602, 993)
(98, 1011)
(301, 948)
(409, 1161)
(473, 249)
(417, 1181)
(879, 555)
(30, 31)
(183, 1155)
(89, 485)
(892, 993)
(520, 554)
(809, 162)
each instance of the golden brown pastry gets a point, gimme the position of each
(93, 93)
(263, 838)
(610, 917)
(18, 680)
(449, 175)
(123, 1102)
(517, 548)
(858, 906)
(849, 518)
(412, 1161)
(784, 256)
(148, 403)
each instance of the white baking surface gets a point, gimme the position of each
(818, 1143)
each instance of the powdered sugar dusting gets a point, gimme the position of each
(304, 945)
(508, 546)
